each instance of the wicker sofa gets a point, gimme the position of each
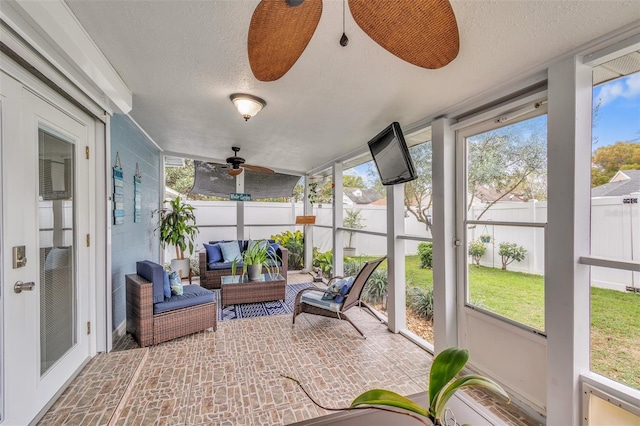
(210, 273)
(153, 318)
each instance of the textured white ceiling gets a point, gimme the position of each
(182, 59)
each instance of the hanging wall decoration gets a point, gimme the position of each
(118, 192)
(137, 195)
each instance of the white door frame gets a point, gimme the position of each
(100, 314)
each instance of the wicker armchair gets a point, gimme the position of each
(211, 278)
(149, 328)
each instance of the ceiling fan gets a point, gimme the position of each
(237, 164)
(421, 32)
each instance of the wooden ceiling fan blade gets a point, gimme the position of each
(278, 34)
(235, 172)
(259, 169)
(421, 32)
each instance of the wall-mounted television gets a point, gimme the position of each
(391, 155)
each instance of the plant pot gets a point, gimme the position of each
(485, 238)
(253, 271)
(349, 251)
(181, 266)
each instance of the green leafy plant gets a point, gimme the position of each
(324, 261)
(510, 252)
(485, 238)
(258, 253)
(443, 384)
(376, 288)
(477, 249)
(177, 226)
(351, 267)
(425, 251)
(421, 302)
(313, 192)
(353, 219)
(294, 243)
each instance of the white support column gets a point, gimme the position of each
(338, 252)
(567, 284)
(308, 229)
(396, 300)
(240, 208)
(445, 320)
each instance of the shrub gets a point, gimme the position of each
(425, 251)
(324, 261)
(421, 302)
(294, 242)
(351, 267)
(376, 287)
(510, 252)
(477, 249)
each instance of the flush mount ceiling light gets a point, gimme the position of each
(247, 105)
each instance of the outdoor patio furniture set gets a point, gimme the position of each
(154, 315)
(213, 266)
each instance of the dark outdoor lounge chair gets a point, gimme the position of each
(317, 301)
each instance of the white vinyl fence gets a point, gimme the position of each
(615, 231)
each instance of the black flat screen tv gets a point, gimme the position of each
(391, 155)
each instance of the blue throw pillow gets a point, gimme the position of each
(167, 286)
(214, 254)
(346, 287)
(335, 287)
(176, 284)
(230, 251)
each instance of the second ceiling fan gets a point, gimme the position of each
(237, 164)
(421, 32)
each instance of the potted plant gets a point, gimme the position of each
(485, 238)
(354, 220)
(443, 384)
(258, 255)
(177, 227)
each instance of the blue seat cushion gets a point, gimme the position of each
(314, 298)
(192, 295)
(154, 273)
(214, 254)
(223, 265)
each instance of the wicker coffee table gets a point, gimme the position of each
(238, 289)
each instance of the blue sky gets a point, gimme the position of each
(619, 115)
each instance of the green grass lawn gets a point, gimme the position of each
(615, 316)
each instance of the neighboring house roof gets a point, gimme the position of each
(362, 195)
(485, 194)
(624, 182)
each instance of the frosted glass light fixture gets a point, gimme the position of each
(247, 105)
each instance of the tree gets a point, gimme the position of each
(508, 159)
(608, 160)
(417, 193)
(349, 181)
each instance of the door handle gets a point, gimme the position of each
(19, 286)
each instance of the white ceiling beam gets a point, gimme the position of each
(65, 33)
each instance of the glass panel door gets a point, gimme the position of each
(57, 254)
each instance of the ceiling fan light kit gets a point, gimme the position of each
(237, 164)
(247, 105)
